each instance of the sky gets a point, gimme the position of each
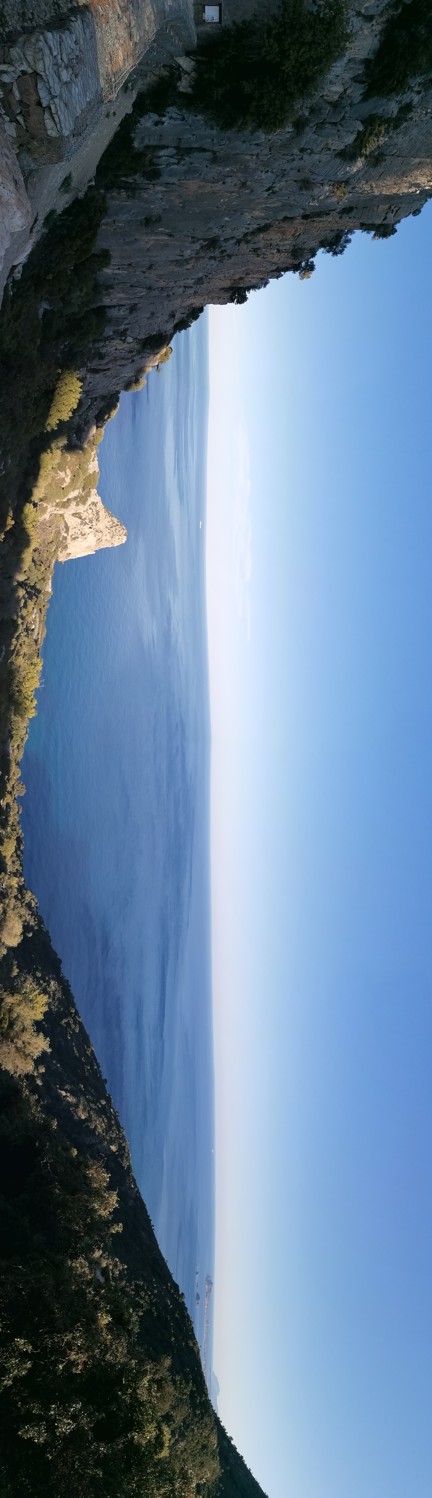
(319, 573)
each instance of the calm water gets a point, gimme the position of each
(116, 816)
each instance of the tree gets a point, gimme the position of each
(254, 73)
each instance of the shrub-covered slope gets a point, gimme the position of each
(102, 1390)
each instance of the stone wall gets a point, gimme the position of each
(54, 80)
(49, 82)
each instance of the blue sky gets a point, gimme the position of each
(319, 573)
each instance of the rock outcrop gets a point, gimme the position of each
(71, 519)
(53, 81)
(56, 80)
(200, 215)
(50, 80)
(87, 526)
(211, 212)
(15, 210)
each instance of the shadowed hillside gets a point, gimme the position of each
(102, 1389)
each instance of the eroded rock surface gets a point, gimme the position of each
(205, 215)
(88, 527)
(15, 210)
(49, 80)
(60, 67)
(54, 79)
(72, 520)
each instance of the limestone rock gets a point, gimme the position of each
(88, 527)
(15, 211)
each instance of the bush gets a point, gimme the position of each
(10, 933)
(25, 681)
(254, 73)
(164, 356)
(384, 231)
(306, 270)
(20, 1011)
(65, 399)
(405, 49)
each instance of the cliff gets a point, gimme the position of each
(203, 214)
(71, 518)
(104, 1383)
(209, 211)
(62, 68)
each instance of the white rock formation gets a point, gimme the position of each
(88, 527)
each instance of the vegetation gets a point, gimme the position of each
(385, 231)
(305, 269)
(65, 399)
(337, 244)
(49, 323)
(101, 1387)
(254, 73)
(374, 131)
(56, 304)
(235, 1481)
(164, 356)
(123, 159)
(22, 1008)
(404, 52)
(30, 545)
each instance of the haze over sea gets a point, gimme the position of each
(116, 815)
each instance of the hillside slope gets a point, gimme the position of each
(102, 1389)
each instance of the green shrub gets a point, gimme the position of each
(25, 680)
(405, 49)
(164, 356)
(306, 270)
(65, 399)
(337, 244)
(384, 231)
(254, 73)
(20, 1011)
(123, 159)
(10, 934)
(374, 131)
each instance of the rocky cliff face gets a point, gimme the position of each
(72, 521)
(61, 65)
(183, 213)
(209, 212)
(15, 211)
(200, 215)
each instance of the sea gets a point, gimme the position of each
(116, 814)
